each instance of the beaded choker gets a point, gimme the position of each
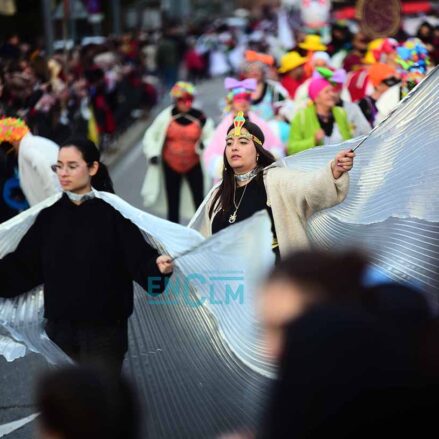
(80, 198)
(247, 175)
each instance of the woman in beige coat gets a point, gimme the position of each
(252, 182)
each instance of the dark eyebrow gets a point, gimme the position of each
(69, 163)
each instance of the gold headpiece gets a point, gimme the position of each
(238, 123)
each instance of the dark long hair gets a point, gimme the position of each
(102, 180)
(224, 195)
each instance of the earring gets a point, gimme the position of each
(257, 158)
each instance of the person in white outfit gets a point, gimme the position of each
(36, 155)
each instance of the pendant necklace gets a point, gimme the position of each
(232, 217)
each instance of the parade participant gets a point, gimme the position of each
(87, 255)
(382, 77)
(311, 45)
(35, 157)
(238, 98)
(378, 51)
(251, 184)
(354, 59)
(322, 122)
(172, 145)
(358, 123)
(318, 60)
(267, 92)
(291, 67)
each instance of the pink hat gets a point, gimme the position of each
(316, 86)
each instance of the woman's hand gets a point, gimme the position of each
(165, 264)
(344, 161)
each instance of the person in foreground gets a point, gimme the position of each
(87, 255)
(252, 182)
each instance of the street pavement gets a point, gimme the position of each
(17, 379)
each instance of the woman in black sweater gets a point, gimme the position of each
(87, 255)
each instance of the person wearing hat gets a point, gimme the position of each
(318, 60)
(322, 122)
(267, 94)
(379, 50)
(382, 77)
(238, 99)
(172, 146)
(311, 45)
(358, 123)
(35, 155)
(291, 69)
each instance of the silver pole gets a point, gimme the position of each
(46, 6)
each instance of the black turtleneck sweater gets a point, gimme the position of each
(86, 256)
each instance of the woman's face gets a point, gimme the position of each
(241, 153)
(255, 72)
(327, 97)
(73, 172)
(184, 104)
(241, 104)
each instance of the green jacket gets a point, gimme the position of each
(305, 125)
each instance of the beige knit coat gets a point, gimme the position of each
(293, 197)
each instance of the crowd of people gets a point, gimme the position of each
(354, 357)
(312, 94)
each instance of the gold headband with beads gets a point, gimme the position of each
(238, 123)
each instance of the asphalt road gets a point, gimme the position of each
(17, 379)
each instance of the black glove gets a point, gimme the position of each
(154, 160)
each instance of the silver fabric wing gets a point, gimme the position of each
(392, 209)
(195, 351)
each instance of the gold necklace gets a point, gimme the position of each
(232, 217)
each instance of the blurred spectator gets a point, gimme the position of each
(426, 35)
(36, 155)
(303, 280)
(341, 38)
(194, 63)
(341, 375)
(321, 123)
(354, 59)
(11, 47)
(267, 93)
(355, 361)
(291, 69)
(168, 60)
(382, 77)
(318, 59)
(78, 402)
(311, 45)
